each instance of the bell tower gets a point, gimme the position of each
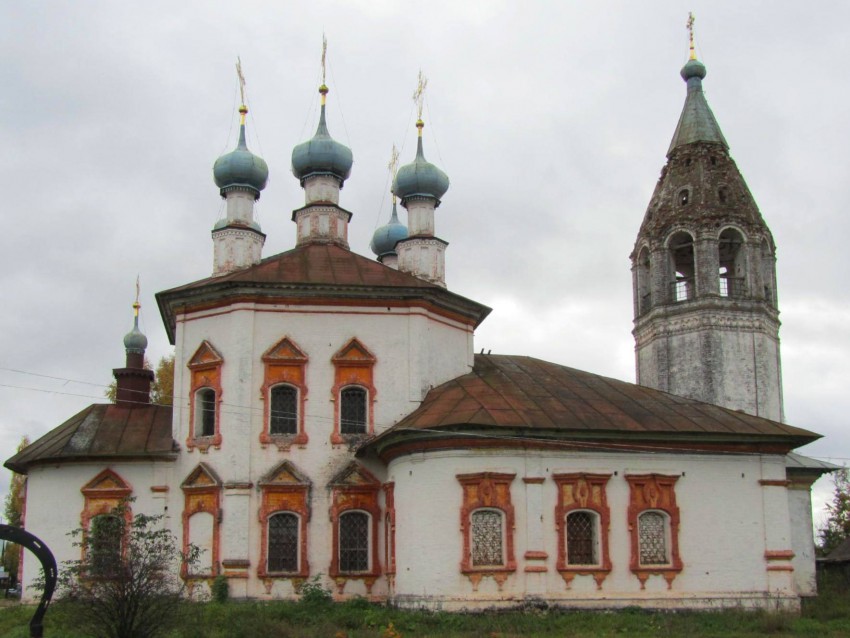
(706, 320)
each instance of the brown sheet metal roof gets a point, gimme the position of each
(103, 432)
(323, 264)
(316, 270)
(530, 394)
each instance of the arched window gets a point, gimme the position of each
(352, 410)
(652, 538)
(643, 281)
(104, 544)
(283, 412)
(353, 542)
(732, 267)
(487, 538)
(681, 250)
(767, 266)
(205, 412)
(684, 195)
(283, 543)
(582, 538)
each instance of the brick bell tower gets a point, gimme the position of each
(706, 320)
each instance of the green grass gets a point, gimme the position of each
(825, 617)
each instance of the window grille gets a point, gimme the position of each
(354, 542)
(652, 537)
(206, 409)
(486, 538)
(105, 545)
(283, 543)
(352, 411)
(581, 539)
(283, 417)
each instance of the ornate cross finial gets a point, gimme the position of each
(393, 166)
(419, 93)
(690, 25)
(241, 79)
(324, 55)
(136, 304)
(243, 110)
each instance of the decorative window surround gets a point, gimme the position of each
(353, 365)
(103, 494)
(355, 488)
(284, 489)
(284, 363)
(389, 532)
(205, 372)
(654, 492)
(583, 492)
(487, 490)
(202, 493)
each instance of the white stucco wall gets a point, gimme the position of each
(728, 521)
(415, 351)
(55, 504)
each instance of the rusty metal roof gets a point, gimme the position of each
(315, 271)
(531, 395)
(103, 432)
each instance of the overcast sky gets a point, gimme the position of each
(552, 120)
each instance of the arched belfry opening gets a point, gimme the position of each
(644, 290)
(768, 272)
(682, 267)
(732, 257)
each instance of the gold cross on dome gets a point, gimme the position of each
(324, 55)
(419, 93)
(241, 78)
(690, 25)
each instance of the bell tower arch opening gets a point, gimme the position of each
(732, 258)
(680, 248)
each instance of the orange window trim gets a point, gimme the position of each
(489, 490)
(583, 492)
(284, 363)
(654, 492)
(205, 372)
(353, 365)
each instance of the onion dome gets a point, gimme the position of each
(135, 341)
(322, 155)
(386, 237)
(420, 178)
(241, 169)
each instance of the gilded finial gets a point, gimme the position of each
(419, 98)
(324, 88)
(136, 304)
(243, 109)
(690, 25)
(393, 167)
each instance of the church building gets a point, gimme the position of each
(331, 418)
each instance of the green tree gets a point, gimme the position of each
(14, 511)
(162, 388)
(837, 526)
(126, 585)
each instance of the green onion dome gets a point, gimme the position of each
(386, 237)
(241, 169)
(322, 155)
(135, 341)
(420, 178)
(693, 69)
